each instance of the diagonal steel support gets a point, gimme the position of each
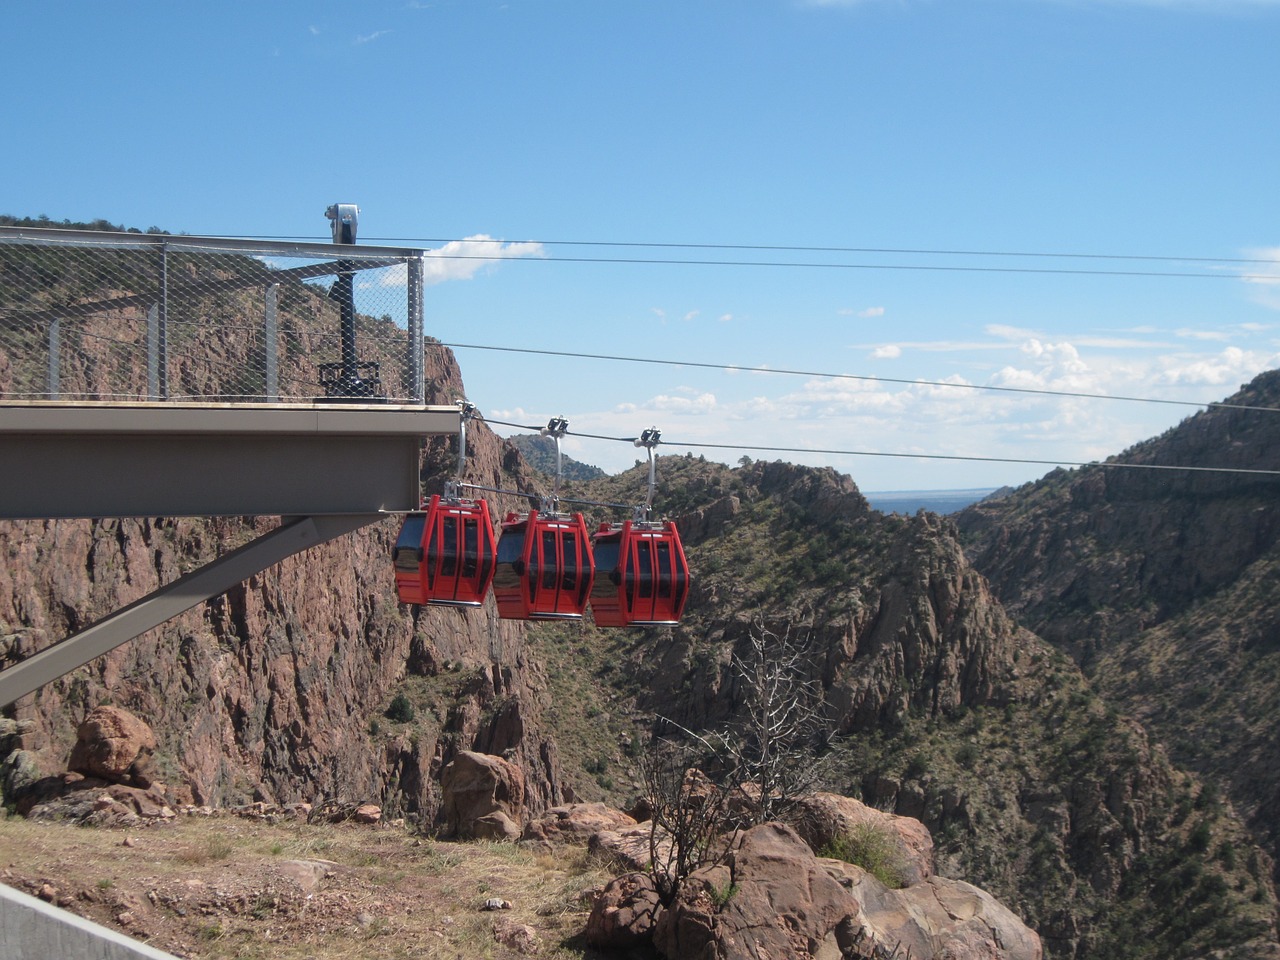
(293, 536)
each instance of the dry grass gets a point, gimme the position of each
(223, 888)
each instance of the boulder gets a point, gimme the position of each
(624, 913)
(824, 819)
(770, 898)
(113, 744)
(475, 785)
(574, 823)
(934, 918)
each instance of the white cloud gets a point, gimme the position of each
(726, 317)
(1230, 367)
(462, 259)
(871, 312)
(890, 351)
(691, 315)
(370, 37)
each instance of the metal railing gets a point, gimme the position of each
(106, 316)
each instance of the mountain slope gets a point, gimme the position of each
(1163, 586)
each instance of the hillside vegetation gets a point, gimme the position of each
(1163, 586)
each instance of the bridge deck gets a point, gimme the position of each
(64, 460)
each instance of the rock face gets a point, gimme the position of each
(113, 744)
(941, 918)
(771, 898)
(275, 691)
(1163, 585)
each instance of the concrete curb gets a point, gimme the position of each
(31, 929)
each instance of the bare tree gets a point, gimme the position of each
(688, 821)
(762, 761)
(783, 726)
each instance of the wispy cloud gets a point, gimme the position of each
(889, 351)
(461, 260)
(1264, 278)
(370, 37)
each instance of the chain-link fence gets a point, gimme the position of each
(88, 315)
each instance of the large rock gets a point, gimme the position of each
(937, 918)
(770, 900)
(575, 823)
(113, 744)
(624, 913)
(825, 819)
(476, 786)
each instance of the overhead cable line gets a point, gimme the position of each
(908, 456)
(735, 368)
(896, 251)
(943, 456)
(911, 251)
(934, 267)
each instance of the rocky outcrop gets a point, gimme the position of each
(482, 798)
(935, 918)
(771, 898)
(824, 820)
(113, 744)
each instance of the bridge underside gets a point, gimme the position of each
(327, 469)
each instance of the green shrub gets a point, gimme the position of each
(874, 849)
(400, 710)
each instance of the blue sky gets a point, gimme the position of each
(1106, 128)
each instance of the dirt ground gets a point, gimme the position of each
(225, 887)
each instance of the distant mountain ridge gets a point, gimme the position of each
(540, 453)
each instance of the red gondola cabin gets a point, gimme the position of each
(445, 554)
(642, 577)
(544, 567)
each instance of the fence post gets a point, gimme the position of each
(417, 388)
(153, 351)
(157, 335)
(53, 385)
(273, 369)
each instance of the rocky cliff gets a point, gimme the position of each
(1162, 584)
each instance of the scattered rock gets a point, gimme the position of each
(519, 937)
(367, 813)
(574, 823)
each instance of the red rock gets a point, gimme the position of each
(575, 823)
(624, 913)
(770, 898)
(114, 744)
(474, 785)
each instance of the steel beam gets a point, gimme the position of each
(293, 536)
(168, 460)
